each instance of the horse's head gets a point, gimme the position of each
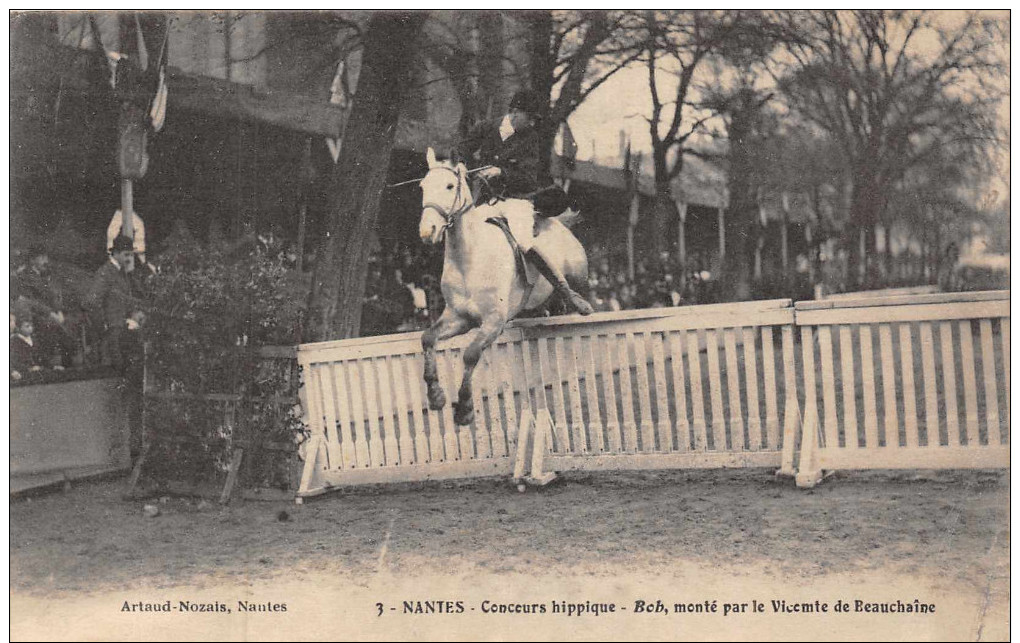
(445, 196)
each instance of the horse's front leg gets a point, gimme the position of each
(448, 325)
(464, 411)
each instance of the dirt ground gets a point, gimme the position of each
(940, 537)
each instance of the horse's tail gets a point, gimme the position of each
(569, 218)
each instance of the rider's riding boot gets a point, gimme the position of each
(559, 282)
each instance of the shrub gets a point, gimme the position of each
(211, 312)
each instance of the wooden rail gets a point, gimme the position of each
(931, 392)
(901, 381)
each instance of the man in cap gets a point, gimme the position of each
(111, 296)
(512, 147)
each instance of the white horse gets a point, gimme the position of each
(482, 285)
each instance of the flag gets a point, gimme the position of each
(157, 108)
(157, 111)
(338, 96)
(141, 51)
(626, 165)
(569, 147)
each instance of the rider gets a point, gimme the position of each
(511, 146)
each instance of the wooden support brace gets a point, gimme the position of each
(809, 472)
(524, 435)
(542, 437)
(792, 424)
(235, 466)
(311, 465)
(136, 473)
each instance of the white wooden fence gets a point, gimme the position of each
(693, 387)
(921, 397)
(705, 387)
(606, 381)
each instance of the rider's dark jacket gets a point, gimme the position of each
(517, 157)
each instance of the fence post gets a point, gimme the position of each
(524, 435)
(311, 464)
(808, 471)
(542, 435)
(792, 421)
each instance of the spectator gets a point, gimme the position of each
(38, 292)
(24, 351)
(114, 230)
(111, 297)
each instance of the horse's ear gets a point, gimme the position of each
(462, 170)
(430, 156)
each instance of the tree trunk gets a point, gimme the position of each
(491, 81)
(741, 229)
(663, 215)
(541, 66)
(665, 206)
(334, 308)
(867, 205)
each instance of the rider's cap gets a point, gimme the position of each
(528, 100)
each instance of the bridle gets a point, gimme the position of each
(450, 216)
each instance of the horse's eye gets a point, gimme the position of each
(449, 187)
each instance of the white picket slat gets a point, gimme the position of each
(1004, 332)
(751, 383)
(644, 394)
(697, 393)
(595, 429)
(909, 392)
(949, 384)
(736, 411)
(991, 390)
(676, 357)
(830, 422)
(768, 358)
(570, 359)
(614, 431)
(970, 433)
(891, 413)
(931, 402)
(715, 389)
(846, 358)
(626, 393)
(356, 398)
(663, 424)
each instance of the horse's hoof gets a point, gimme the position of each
(581, 305)
(437, 399)
(463, 414)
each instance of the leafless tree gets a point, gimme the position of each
(892, 89)
(390, 44)
(676, 46)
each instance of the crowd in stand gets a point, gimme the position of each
(402, 290)
(57, 325)
(54, 327)
(656, 284)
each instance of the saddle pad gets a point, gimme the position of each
(522, 263)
